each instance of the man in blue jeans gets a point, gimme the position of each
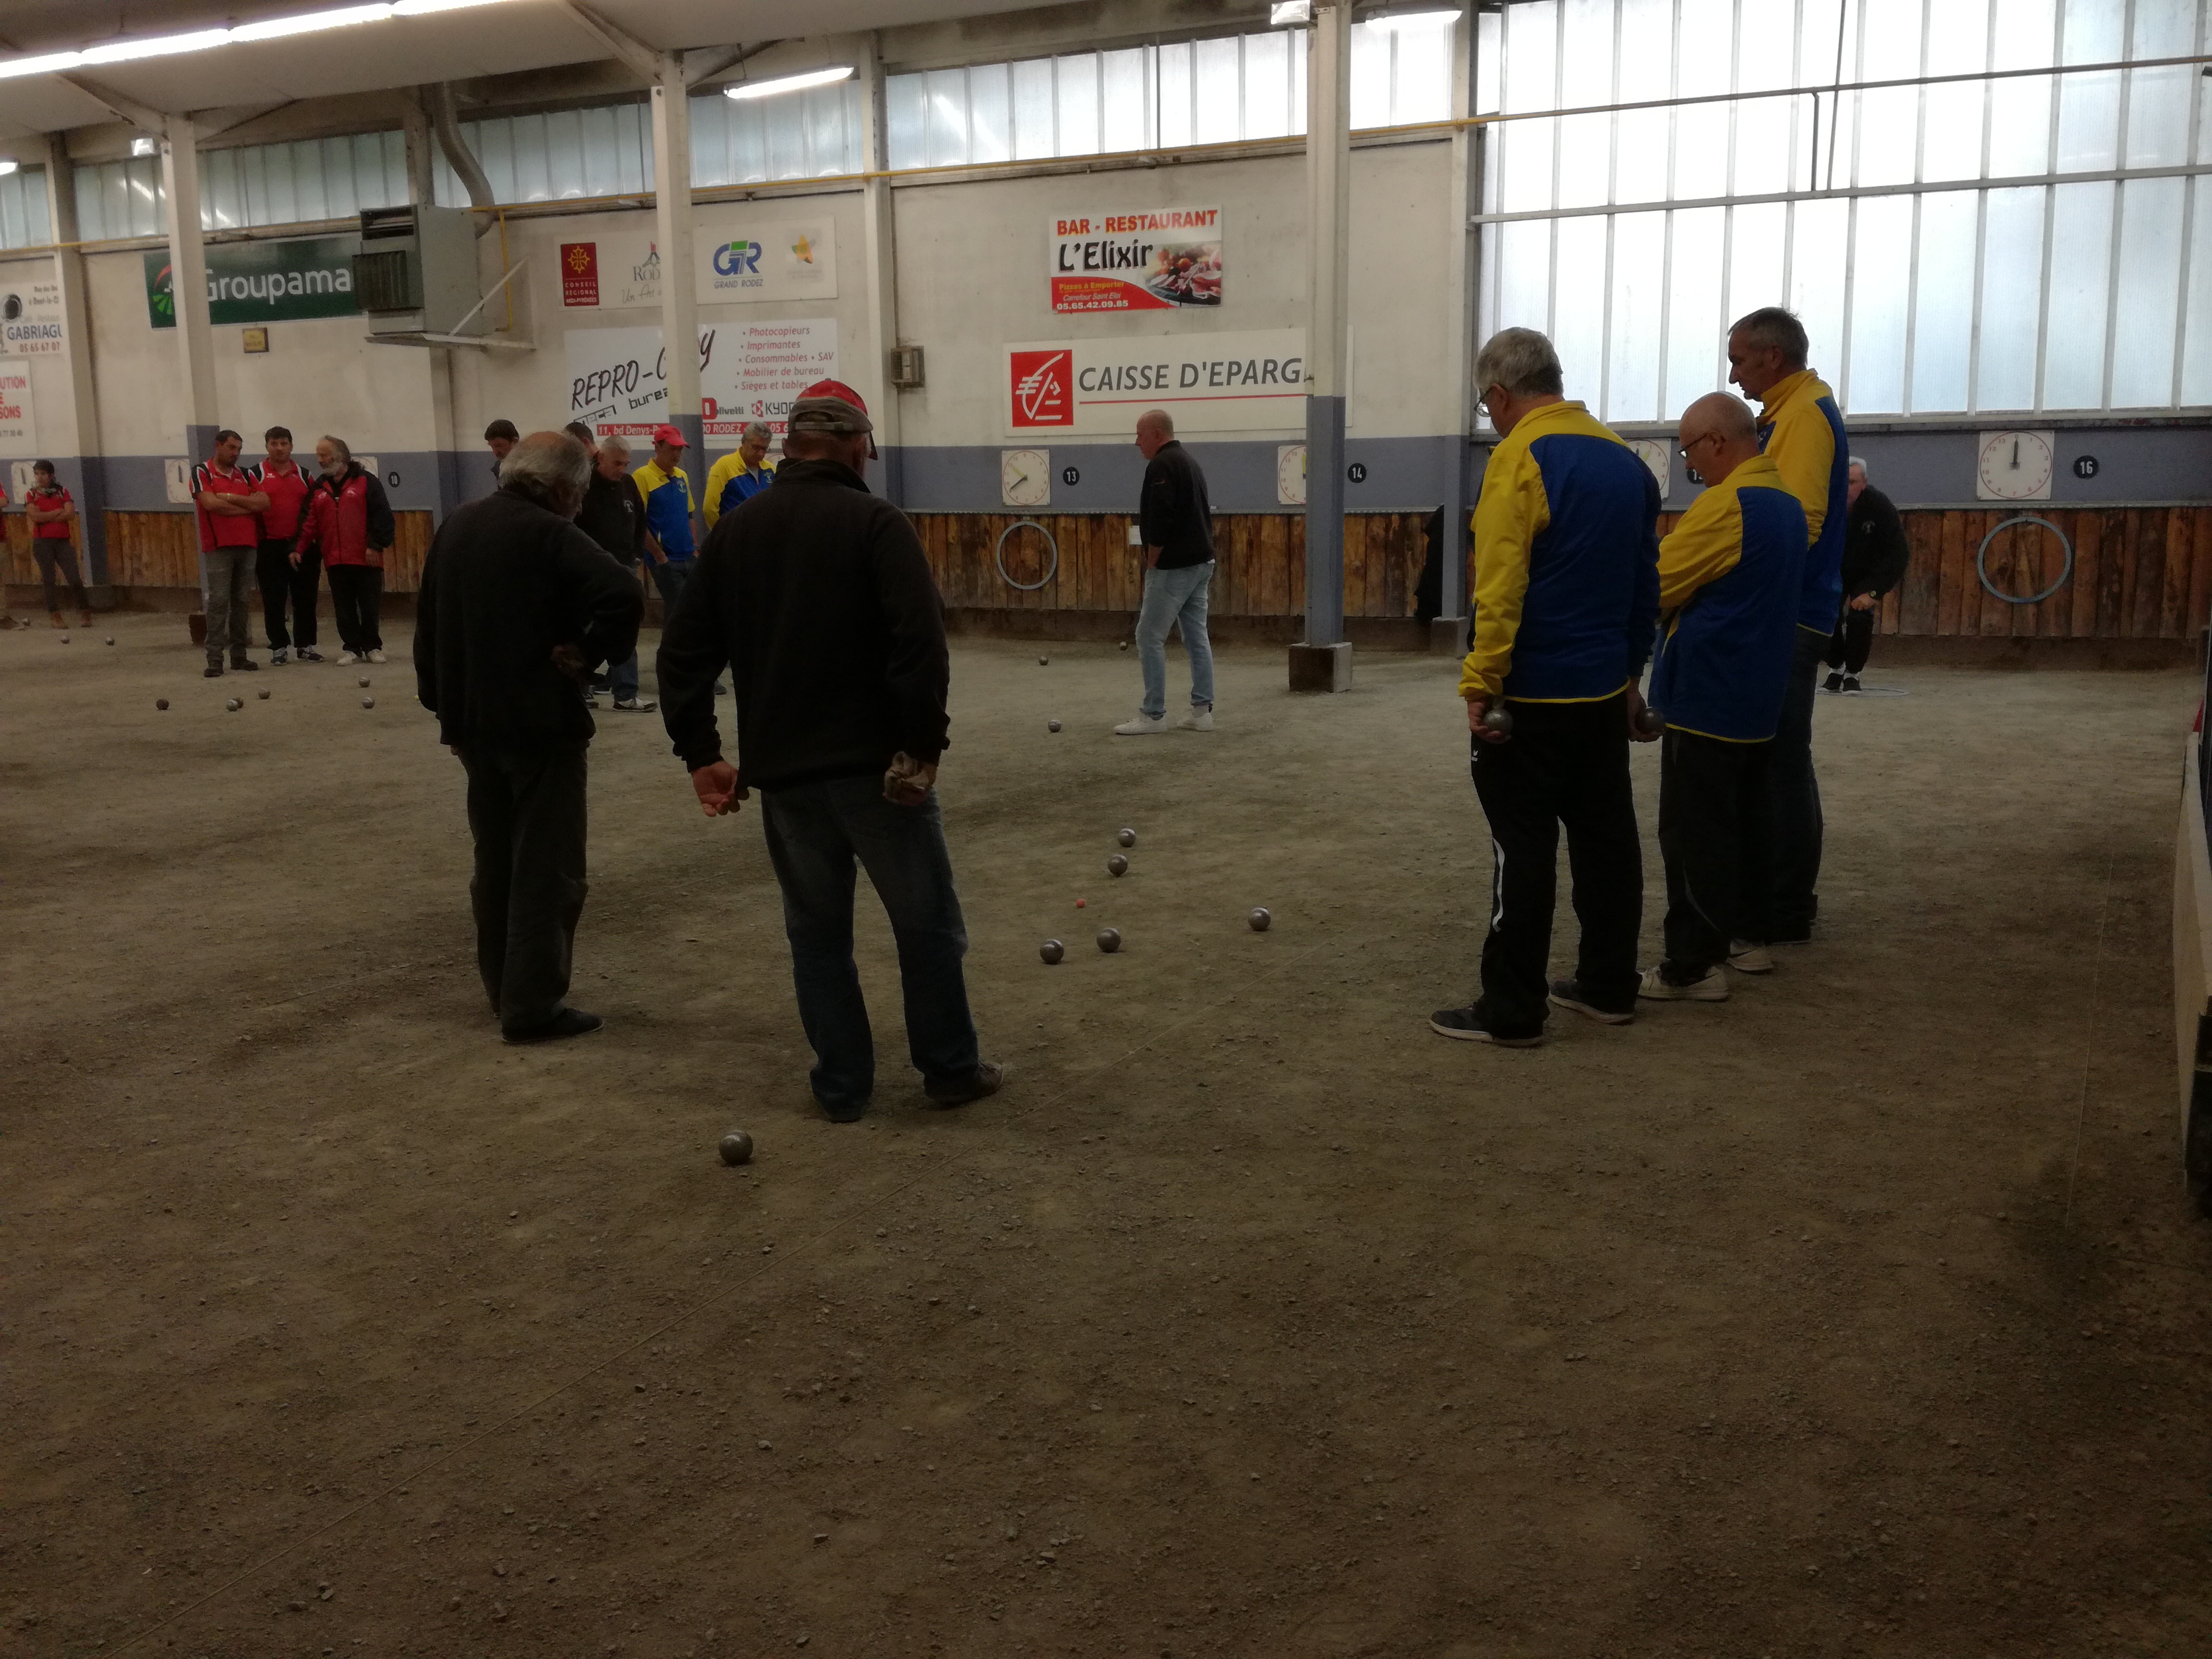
(1176, 523)
(818, 597)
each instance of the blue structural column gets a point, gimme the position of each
(1322, 660)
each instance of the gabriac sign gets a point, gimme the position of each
(1136, 259)
(1251, 382)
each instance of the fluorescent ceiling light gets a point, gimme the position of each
(164, 45)
(789, 83)
(142, 147)
(1406, 19)
(6, 167)
(1289, 11)
(275, 28)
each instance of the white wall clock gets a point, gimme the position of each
(2014, 466)
(1658, 454)
(1025, 477)
(1290, 475)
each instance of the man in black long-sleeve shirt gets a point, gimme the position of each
(1177, 522)
(517, 605)
(1875, 553)
(818, 597)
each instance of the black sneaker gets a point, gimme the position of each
(245, 665)
(1472, 1025)
(1569, 993)
(847, 1111)
(1834, 682)
(1850, 685)
(212, 672)
(568, 1022)
(987, 1079)
(307, 654)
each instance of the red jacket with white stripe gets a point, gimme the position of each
(348, 518)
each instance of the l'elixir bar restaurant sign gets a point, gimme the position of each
(1251, 382)
(1136, 259)
(263, 282)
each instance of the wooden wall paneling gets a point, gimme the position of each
(2177, 551)
(2038, 555)
(410, 546)
(2200, 573)
(2112, 573)
(1356, 555)
(1241, 564)
(1401, 575)
(1923, 573)
(1294, 566)
(2087, 533)
(2148, 593)
(1957, 565)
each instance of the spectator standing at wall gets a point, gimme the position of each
(1177, 522)
(283, 582)
(818, 597)
(228, 509)
(614, 517)
(740, 474)
(1875, 554)
(1800, 428)
(517, 606)
(349, 522)
(665, 489)
(500, 437)
(53, 515)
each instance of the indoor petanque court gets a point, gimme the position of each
(1667, 540)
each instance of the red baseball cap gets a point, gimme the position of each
(832, 406)
(668, 434)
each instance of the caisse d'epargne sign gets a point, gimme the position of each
(1147, 259)
(1245, 382)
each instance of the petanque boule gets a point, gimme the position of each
(1052, 950)
(1041, 661)
(264, 696)
(1117, 866)
(1650, 721)
(1499, 721)
(1259, 918)
(233, 704)
(737, 1148)
(65, 639)
(368, 703)
(1052, 725)
(363, 681)
(1109, 939)
(1127, 838)
(110, 639)
(161, 702)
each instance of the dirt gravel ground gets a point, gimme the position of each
(1862, 1315)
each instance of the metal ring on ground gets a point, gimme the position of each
(1982, 569)
(1052, 570)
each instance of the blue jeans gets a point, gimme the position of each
(1174, 598)
(622, 679)
(672, 576)
(817, 833)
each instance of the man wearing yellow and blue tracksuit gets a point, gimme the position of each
(1800, 428)
(1730, 581)
(1567, 593)
(739, 476)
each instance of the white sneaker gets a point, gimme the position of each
(278, 657)
(1713, 987)
(1746, 958)
(1198, 719)
(348, 657)
(635, 705)
(376, 656)
(1143, 727)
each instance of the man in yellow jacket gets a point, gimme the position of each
(739, 476)
(1730, 575)
(1567, 592)
(1801, 429)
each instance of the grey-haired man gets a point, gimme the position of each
(819, 598)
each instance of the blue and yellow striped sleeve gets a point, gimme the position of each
(1803, 446)
(718, 479)
(1512, 511)
(1704, 546)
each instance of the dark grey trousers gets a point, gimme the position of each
(526, 812)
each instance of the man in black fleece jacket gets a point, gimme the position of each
(517, 606)
(818, 595)
(1875, 554)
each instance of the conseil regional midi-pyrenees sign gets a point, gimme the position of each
(263, 282)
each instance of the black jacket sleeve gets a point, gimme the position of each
(1154, 503)
(1893, 551)
(425, 626)
(382, 532)
(611, 605)
(693, 655)
(920, 671)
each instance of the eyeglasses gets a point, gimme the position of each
(1482, 400)
(1707, 438)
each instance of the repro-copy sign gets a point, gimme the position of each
(1252, 382)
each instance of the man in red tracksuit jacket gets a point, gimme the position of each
(349, 521)
(286, 484)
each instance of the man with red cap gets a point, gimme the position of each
(665, 490)
(818, 595)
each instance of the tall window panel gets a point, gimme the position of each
(250, 186)
(2032, 243)
(1226, 90)
(24, 221)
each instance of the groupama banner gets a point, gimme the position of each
(263, 282)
